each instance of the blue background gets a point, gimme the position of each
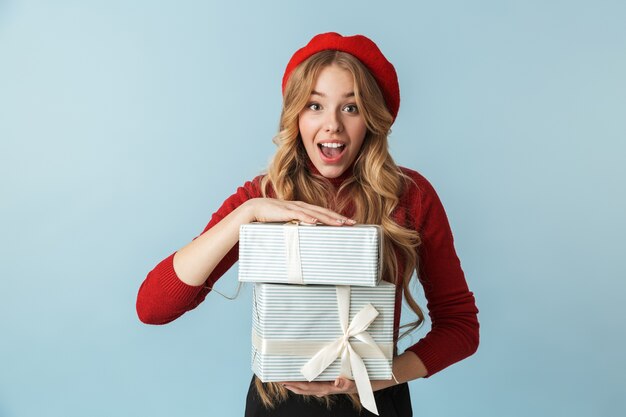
(124, 125)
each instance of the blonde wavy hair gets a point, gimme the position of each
(372, 192)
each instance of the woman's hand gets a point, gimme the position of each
(341, 385)
(406, 367)
(195, 262)
(273, 210)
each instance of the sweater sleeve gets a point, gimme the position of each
(454, 334)
(163, 297)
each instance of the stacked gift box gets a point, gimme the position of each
(312, 286)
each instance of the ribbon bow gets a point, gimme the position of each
(351, 362)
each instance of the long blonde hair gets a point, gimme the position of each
(371, 193)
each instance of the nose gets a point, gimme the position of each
(333, 123)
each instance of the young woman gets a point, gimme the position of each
(332, 166)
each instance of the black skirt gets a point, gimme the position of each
(391, 402)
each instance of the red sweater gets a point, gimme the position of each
(163, 297)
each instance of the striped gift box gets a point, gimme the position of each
(324, 255)
(290, 323)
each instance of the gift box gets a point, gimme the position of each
(292, 324)
(299, 254)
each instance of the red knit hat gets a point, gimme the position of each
(365, 50)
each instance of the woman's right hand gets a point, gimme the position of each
(194, 262)
(273, 210)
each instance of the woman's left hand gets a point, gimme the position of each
(341, 385)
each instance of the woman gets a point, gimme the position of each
(332, 166)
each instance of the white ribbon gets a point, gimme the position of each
(308, 348)
(351, 362)
(292, 246)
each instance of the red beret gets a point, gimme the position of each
(365, 50)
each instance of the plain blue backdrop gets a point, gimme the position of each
(125, 124)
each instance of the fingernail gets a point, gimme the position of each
(351, 221)
(341, 221)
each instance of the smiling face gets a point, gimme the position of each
(331, 126)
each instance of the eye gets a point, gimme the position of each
(351, 108)
(314, 106)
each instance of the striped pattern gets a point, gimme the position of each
(309, 313)
(329, 255)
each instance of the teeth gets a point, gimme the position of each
(331, 145)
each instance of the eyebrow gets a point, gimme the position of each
(317, 93)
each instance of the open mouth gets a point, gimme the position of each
(331, 150)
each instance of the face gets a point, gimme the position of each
(331, 125)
